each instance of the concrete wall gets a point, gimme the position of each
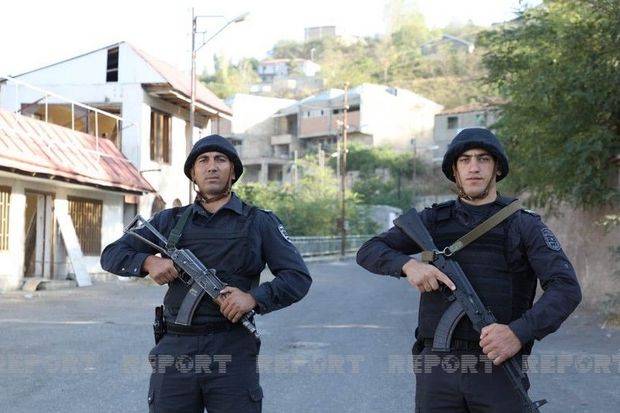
(589, 248)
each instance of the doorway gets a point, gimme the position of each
(39, 239)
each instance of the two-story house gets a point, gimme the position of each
(151, 96)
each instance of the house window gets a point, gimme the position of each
(160, 137)
(112, 65)
(86, 216)
(453, 122)
(5, 195)
(481, 119)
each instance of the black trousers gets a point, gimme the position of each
(216, 371)
(462, 382)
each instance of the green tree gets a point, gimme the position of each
(386, 176)
(559, 66)
(312, 207)
(229, 78)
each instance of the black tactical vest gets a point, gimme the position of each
(225, 249)
(494, 264)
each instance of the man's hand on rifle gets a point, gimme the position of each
(161, 270)
(499, 343)
(425, 277)
(235, 303)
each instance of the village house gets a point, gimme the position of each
(377, 115)
(152, 98)
(64, 194)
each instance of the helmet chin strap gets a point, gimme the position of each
(223, 194)
(481, 195)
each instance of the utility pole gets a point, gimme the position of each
(192, 104)
(189, 138)
(343, 172)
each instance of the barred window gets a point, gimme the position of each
(86, 216)
(5, 195)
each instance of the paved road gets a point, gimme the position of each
(344, 348)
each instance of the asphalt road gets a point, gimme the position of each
(344, 348)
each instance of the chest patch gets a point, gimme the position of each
(550, 239)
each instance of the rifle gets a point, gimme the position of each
(465, 301)
(192, 271)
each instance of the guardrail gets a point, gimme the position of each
(317, 246)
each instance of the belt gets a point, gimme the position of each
(457, 344)
(201, 329)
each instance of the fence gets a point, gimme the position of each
(317, 246)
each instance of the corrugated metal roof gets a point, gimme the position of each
(30, 146)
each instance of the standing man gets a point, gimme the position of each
(503, 266)
(213, 362)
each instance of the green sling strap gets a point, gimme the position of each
(474, 234)
(177, 231)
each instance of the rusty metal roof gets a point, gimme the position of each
(30, 146)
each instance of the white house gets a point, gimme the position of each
(150, 96)
(378, 115)
(64, 195)
(266, 153)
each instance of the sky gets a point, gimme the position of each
(37, 33)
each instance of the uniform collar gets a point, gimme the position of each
(234, 204)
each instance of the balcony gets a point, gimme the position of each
(328, 125)
(284, 139)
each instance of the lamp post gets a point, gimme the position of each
(192, 104)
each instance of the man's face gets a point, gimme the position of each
(474, 170)
(211, 172)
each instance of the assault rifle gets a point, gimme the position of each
(464, 301)
(192, 271)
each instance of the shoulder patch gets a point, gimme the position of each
(550, 239)
(284, 233)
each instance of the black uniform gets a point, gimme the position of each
(503, 266)
(237, 241)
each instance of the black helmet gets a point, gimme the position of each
(213, 143)
(472, 138)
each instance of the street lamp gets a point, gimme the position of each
(192, 104)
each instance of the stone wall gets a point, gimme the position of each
(590, 248)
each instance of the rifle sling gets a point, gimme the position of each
(474, 234)
(196, 293)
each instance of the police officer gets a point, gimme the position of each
(503, 266)
(213, 362)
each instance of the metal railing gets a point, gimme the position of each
(330, 245)
(73, 104)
